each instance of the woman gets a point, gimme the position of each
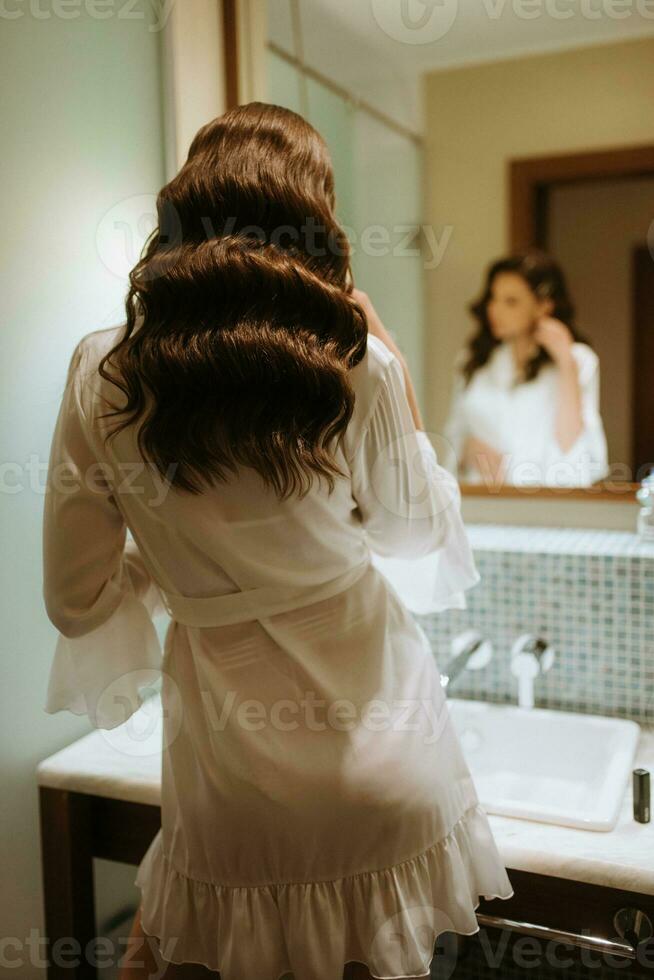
(315, 802)
(525, 404)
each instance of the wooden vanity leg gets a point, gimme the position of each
(67, 869)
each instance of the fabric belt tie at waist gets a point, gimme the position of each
(251, 604)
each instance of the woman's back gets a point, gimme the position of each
(239, 534)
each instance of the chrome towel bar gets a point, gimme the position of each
(596, 943)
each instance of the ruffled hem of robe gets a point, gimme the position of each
(387, 919)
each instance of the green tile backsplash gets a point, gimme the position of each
(593, 601)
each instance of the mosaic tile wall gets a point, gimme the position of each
(589, 593)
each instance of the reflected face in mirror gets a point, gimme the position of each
(525, 409)
(513, 309)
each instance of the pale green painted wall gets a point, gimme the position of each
(81, 117)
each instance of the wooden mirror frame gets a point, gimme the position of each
(230, 52)
(530, 180)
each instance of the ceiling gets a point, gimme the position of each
(380, 49)
(427, 35)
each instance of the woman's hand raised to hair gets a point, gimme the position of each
(556, 338)
(377, 328)
(375, 325)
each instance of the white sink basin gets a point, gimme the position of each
(552, 766)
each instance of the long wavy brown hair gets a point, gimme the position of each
(546, 279)
(248, 328)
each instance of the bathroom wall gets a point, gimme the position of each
(82, 126)
(588, 593)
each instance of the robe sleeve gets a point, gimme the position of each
(410, 505)
(586, 461)
(97, 591)
(455, 428)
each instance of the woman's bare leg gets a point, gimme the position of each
(139, 961)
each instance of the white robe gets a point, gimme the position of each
(519, 420)
(316, 805)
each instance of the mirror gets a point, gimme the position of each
(494, 170)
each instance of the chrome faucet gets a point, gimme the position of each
(470, 651)
(530, 656)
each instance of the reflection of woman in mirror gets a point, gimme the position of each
(525, 404)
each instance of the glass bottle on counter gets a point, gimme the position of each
(645, 497)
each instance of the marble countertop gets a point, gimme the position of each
(125, 763)
(558, 540)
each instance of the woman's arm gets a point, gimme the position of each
(376, 327)
(577, 450)
(569, 421)
(408, 504)
(97, 591)
(557, 340)
(455, 429)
